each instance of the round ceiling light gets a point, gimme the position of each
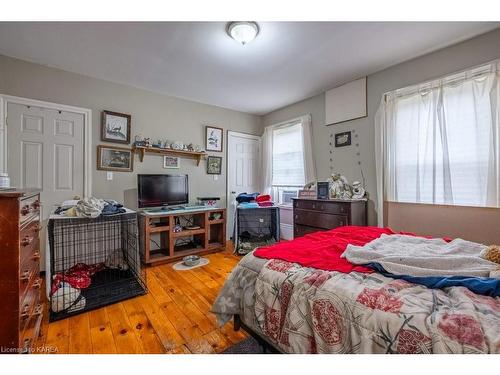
(243, 31)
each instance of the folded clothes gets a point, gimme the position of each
(112, 208)
(245, 197)
(248, 205)
(265, 204)
(263, 198)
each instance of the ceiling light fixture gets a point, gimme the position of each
(242, 31)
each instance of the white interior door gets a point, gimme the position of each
(243, 170)
(45, 151)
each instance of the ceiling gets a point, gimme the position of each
(288, 62)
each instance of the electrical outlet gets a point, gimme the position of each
(216, 177)
(109, 176)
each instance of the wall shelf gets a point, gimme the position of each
(141, 151)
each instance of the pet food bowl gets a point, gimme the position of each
(191, 260)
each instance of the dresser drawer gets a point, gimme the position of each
(322, 206)
(29, 208)
(319, 219)
(29, 276)
(302, 230)
(29, 241)
(29, 304)
(32, 330)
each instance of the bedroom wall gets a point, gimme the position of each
(153, 115)
(475, 51)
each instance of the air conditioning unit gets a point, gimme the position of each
(287, 195)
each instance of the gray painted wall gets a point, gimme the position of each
(153, 115)
(475, 51)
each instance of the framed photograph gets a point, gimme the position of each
(115, 127)
(214, 165)
(117, 159)
(171, 162)
(213, 138)
(343, 139)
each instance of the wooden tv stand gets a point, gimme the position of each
(209, 238)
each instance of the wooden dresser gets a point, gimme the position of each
(20, 283)
(312, 215)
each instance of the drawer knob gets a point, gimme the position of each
(38, 310)
(26, 345)
(37, 284)
(36, 204)
(26, 241)
(36, 255)
(25, 275)
(25, 210)
(25, 312)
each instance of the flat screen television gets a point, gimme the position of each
(156, 190)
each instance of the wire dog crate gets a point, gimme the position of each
(93, 263)
(255, 227)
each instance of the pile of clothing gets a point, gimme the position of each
(90, 208)
(254, 200)
(66, 288)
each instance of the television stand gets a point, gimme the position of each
(157, 227)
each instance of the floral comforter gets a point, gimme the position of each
(305, 310)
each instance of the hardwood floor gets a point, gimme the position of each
(174, 317)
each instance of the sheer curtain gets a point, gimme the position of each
(438, 143)
(287, 155)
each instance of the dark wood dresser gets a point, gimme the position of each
(312, 215)
(21, 308)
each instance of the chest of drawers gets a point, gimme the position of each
(21, 309)
(312, 215)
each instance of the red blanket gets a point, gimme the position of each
(322, 250)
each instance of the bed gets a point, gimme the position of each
(305, 309)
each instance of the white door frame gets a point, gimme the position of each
(228, 155)
(87, 133)
(241, 135)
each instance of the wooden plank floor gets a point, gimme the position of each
(174, 317)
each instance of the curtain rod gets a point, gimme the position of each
(476, 71)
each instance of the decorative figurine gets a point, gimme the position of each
(339, 187)
(358, 191)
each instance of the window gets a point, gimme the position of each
(443, 141)
(287, 163)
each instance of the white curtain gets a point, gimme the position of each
(267, 163)
(309, 164)
(438, 142)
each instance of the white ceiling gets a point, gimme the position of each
(289, 61)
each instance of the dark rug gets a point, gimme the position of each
(247, 346)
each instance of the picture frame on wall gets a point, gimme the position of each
(214, 165)
(118, 159)
(214, 138)
(115, 127)
(343, 139)
(171, 162)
